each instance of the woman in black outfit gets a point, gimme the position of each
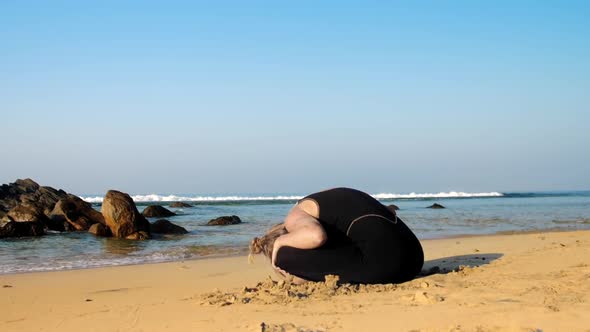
(343, 232)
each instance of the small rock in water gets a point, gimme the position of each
(157, 211)
(224, 220)
(100, 230)
(436, 206)
(180, 205)
(393, 207)
(164, 226)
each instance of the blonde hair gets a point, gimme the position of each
(265, 244)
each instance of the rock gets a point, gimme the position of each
(164, 226)
(59, 225)
(45, 198)
(26, 201)
(30, 228)
(6, 227)
(122, 217)
(225, 220)
(393, 207)
(436, 206)
(10, 193)
(141, 235)
(157, 211)
(76, 212)
(27, 185)
(180, 205)
(100, 230)
(26, 213)
(19, 229)
(30, 193)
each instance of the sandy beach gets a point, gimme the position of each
(520, 282)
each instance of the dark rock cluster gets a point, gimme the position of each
(28, 209)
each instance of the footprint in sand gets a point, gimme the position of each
(420, 298)
(286, 327)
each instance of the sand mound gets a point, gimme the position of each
(284, 292)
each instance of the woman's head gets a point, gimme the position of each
(266, 243)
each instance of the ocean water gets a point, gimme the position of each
(465, 214)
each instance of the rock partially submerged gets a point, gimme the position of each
(28, 204)
(392, 207)
(21, 228)
(435, 206)
(29, 192)
(28, 209)
(225, 220)
(100, 230)
(157, 211)
(123, 218)
(77, 213)
(180, 205)
(164, 226)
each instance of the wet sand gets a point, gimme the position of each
(518, 282)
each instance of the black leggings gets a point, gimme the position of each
(379, 252)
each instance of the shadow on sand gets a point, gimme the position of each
(449, 264)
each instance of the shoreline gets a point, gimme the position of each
(221, 256)
(515, 282)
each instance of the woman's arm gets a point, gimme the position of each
(305, 232)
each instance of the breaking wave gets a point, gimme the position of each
(450, 194)
(382, 196)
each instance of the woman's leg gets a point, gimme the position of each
(314, 264)
(371, 257)
(379, 242)
(412, 255)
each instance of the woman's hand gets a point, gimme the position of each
(275, 250)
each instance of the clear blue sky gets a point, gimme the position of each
(277, 96)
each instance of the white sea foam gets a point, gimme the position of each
(175, 198)
(85, 262)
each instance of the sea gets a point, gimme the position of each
(465, 214)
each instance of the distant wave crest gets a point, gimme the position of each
(450, 194)
(175, 198)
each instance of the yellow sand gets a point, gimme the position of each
(523, 282)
